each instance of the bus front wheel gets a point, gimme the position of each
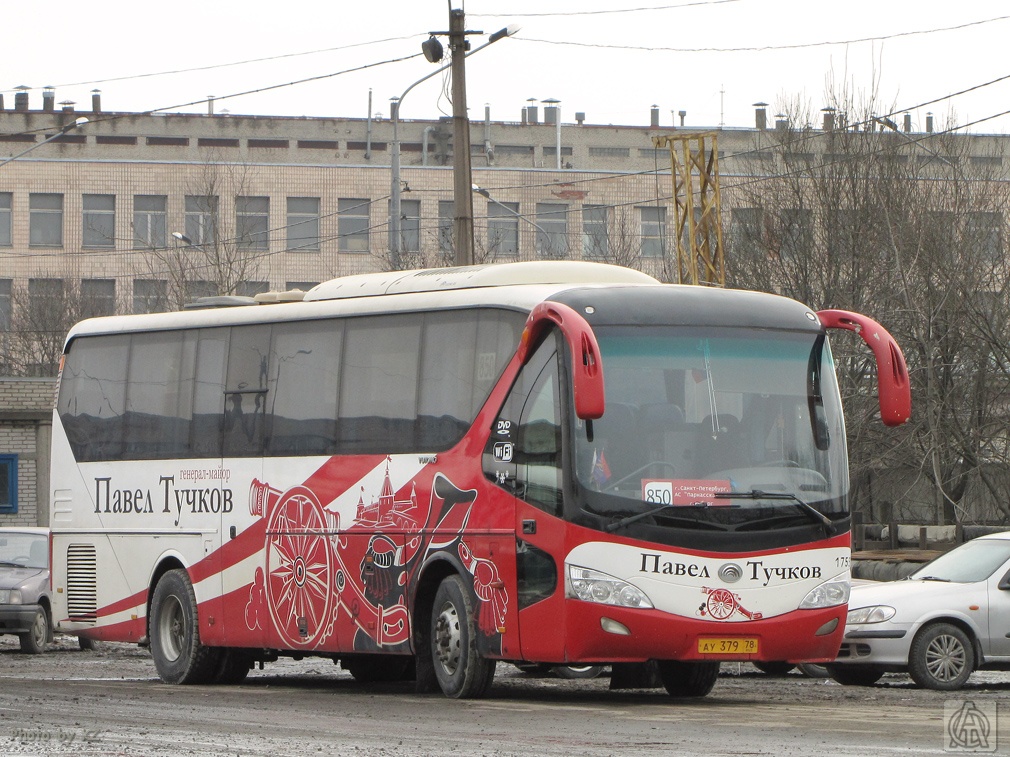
(461, 672)
(175, 636)
(688, 679)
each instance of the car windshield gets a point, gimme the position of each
(23, 549)
(971, 562)
(692, 413)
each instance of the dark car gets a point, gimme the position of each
(25, 597)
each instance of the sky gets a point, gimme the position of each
(612, 61)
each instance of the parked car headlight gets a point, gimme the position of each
(828, 594)
(593, 586)
(10, 596)
(874, 614)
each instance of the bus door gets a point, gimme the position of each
(242, 447)
(524, 455)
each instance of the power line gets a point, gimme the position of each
(226, 65)
(762, 48)
(611, 11)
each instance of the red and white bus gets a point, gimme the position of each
(422, 473)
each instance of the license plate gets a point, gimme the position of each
(728, 645)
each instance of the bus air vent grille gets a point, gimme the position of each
(82, 583)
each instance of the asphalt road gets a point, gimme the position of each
(110, 702)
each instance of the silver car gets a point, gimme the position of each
(25, 598)
(950, 617)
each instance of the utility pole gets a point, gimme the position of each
(462, 226)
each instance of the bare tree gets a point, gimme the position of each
(908, 230)
(42, 312)
(219, 251)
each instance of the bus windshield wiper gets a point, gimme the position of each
(933, 578)
(812, 512)
(611, 527)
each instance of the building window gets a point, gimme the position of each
(303, 223)
(352, 224)
(746, 226)
(252, 222)
(8, 484)
(45, 220)
(150, 221)
(653, 232)
(552, 230)
(201, 219)
(303, 286)
(503, 228)
(150, 295)
(98, 297)
(197, 289)
(6, 309)
(98, 225)
(796, 235)
(251, 288)
(595, 238)
(983, 231)
(5, 218)
(446, 218)
(410, 225)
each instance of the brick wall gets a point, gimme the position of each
(25, 427)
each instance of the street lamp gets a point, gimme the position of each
(395, 186)
(63, 130)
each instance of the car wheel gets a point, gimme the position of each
(34, 641)
(688, 679)
(460, 670)
(855, 675)
(813, 670)
(86, 645)
(175, 635)
(774, 668)
(576, 672)
(941, 657)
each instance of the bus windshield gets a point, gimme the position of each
(718, 429)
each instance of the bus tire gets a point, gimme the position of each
(855, 675)
(774, 668)
(688, 679)
(34, 640)
(233, 667)
(461, 672)
(379, 668)
(175, 633)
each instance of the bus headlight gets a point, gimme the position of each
(593, 586)
(828, 594)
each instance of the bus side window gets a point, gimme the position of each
(524, 449)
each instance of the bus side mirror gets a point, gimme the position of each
(893, 390)
(587, 370)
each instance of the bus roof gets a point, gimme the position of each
(477, 276)
(515, 286)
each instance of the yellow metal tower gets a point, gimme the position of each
(697, 225)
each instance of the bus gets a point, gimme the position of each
(421, 473)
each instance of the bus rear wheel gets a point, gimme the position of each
(688, 679)
(175, 635)
(461, 672)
